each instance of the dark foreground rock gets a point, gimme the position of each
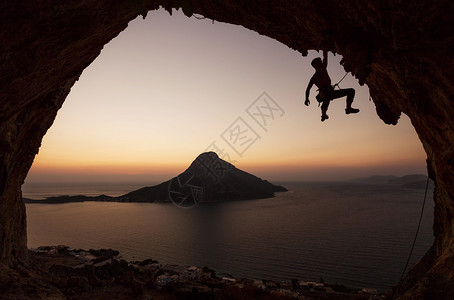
(101, 274)
(402, 50)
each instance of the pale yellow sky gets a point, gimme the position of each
(169, 86)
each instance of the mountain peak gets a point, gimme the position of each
(223, 181)
(208, 177)
(210, 167)
(210, 154)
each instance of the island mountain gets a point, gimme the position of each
(208, 179)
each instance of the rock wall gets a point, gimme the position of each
(403, 51)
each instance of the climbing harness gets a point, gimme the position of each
(320, 97)
(417, 230)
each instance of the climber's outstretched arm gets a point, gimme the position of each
(308, 90)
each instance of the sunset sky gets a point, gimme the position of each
(169, 86)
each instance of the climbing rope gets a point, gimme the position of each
(337, 84)
(417, 230)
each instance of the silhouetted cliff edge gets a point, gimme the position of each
(214, 178)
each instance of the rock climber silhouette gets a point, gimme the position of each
(326, 91)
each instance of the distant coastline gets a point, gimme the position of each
(208, 179)
(159, 193)
(413, 181)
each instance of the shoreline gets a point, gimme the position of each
(84, 274)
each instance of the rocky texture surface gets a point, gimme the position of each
(403, 51)
(100, 274)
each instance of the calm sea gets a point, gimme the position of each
(352, 234)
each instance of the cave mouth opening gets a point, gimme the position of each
(287, 97)
(188, 76)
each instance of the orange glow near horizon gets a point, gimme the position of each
(168, 87)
